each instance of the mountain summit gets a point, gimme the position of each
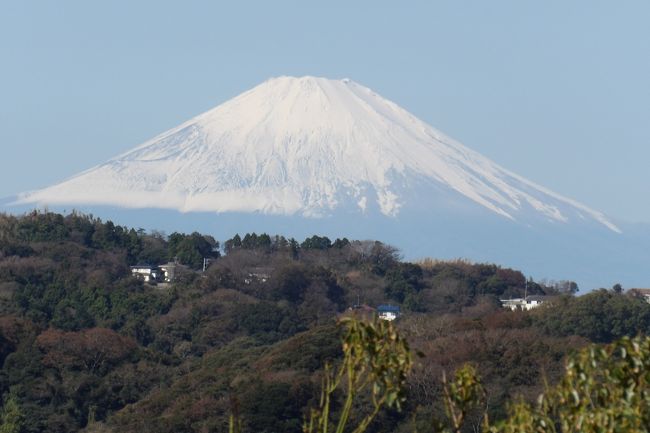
(311, 147)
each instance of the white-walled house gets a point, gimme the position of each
(388, 312)
(147, 273)
(156, 274)
(168, 271)
(526, 304)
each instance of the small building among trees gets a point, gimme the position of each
(168, 271)
(147, 273)
(388, 312)
(157, 274)
(524, 304)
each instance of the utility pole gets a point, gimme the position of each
(526, 290)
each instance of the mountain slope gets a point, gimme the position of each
(312, 147)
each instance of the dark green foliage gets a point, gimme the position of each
(404, 281)
(257, 325)
(341, 243)
(294, 247)
(253, 241)
(232, 244)
(316, 243)
(250, 241)
(15, 249)
(192, 249)
(290, 282)
(236, 241)
(42, 227)
(275, 407)
(264, 242)
(601, 316)
(293, 281)
(12, 418)
(266, 321)
(458, 284)
(110, 236)
(71, 315)
(308, 350)
(154, 249)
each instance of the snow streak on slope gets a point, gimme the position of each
(308, 146)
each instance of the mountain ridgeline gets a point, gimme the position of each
(314, 155)
(86, 346)
(309, 146)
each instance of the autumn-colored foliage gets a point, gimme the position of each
(91, 349)
(85, 346)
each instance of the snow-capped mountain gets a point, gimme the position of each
(312, 147)
(304, 156)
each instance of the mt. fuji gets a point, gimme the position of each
(303, 156)
(310, 146)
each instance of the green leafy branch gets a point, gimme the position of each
(376, 358)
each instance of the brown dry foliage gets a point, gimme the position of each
(89, 349)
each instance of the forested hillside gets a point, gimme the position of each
(85, 346)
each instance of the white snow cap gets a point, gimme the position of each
(304, 145)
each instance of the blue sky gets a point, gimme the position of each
(556, 91)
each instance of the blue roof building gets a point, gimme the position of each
(388, 312)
